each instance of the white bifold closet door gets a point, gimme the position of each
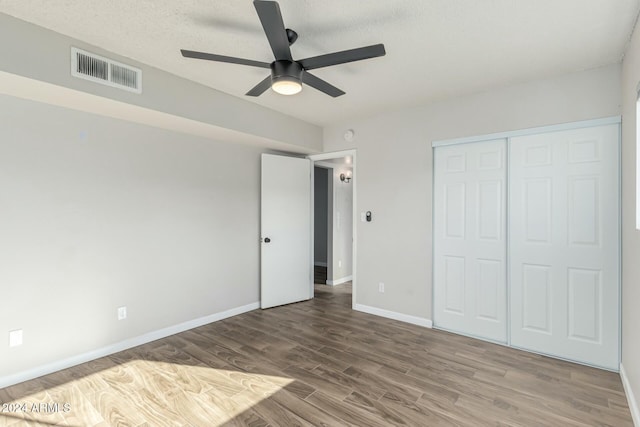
(470, 239)
(564, 244)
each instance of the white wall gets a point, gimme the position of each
(96, 213)
(630, 236)
(320, 215)
(342, 228)
(395, 171)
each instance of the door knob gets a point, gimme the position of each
(267, 240)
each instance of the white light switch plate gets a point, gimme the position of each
(15, 338)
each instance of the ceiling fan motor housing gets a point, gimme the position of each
(286, 70)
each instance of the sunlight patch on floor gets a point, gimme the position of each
(146, 389)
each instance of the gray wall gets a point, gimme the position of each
(395, 170)
(96, 213)
(630, 235)
(101, 210)
(44, 56)
(320, 216)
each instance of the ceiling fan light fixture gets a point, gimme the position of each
(287, 74)
(286, 77)
(286, 85)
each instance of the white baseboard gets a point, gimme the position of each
(631, 398)
(320, 264)
(339, 281)
(121, 346)
(414, 320)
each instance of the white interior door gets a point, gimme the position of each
(470, 239)
(286, 273)
(564, 244)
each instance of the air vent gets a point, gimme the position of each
(98, 69)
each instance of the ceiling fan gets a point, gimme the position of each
(288, 75)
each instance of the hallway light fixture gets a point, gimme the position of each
(345, 178)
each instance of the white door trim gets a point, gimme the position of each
(530, 131)
(332, 155)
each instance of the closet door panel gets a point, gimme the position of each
(564, 244)
(469, 239)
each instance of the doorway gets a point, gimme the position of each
(334, 243)
(321, 237)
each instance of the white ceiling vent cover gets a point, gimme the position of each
(98, 69)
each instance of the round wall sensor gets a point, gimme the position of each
(348, 135)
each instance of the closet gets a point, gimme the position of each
(527, 240)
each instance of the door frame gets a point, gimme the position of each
(354, 180)
(329, 235)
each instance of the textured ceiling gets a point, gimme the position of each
(435, 48)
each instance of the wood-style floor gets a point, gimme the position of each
(320, 363)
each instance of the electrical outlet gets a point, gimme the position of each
(381, 287)
(15, 338)
(122, 313)
(339, 263)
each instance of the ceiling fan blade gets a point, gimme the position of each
(222, 58)
(261, 87)
(342, 57)
(321, 85)
(271, 19)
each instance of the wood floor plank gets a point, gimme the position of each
(270, 410)
(202, 355)
(335, 376)
(350, 414)
(418, 414)
(310, 339)
(260, 336)
(318, 382)
(281, 358)
(349, 359)
(376, 380)
(306, 411)
(154, 407)
(377, 409)
(195, 409)
(320, 359)
(84, 414)
(319, 363)
(233, 414)
(115, 409)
